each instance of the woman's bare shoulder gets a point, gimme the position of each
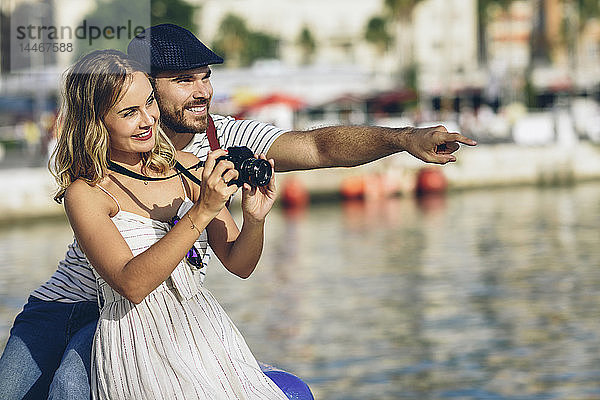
(82, 194)
(78, 190)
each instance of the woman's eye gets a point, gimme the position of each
(150, 100)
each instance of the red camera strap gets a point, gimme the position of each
(211, 133)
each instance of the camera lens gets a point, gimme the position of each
(256, 172)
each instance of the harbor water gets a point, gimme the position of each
(484, 294)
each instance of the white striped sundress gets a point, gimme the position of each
(178, 343)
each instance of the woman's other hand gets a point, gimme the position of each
(258, 201)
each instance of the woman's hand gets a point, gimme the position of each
(214, 191)
(258, 201)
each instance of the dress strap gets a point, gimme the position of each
(113, 197)
(185, 196)
(187, 173)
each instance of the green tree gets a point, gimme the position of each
(308, 45)
(411, 76)
(259, 45)
(240, 45)
(178, 12)
(400, 15)
(400, 10)
(376, 34)
(588, 9)
(134, 15)
(231, 39)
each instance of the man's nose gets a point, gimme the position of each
(201, 90)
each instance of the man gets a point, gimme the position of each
(179, 65)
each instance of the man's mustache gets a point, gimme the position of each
(200, 102)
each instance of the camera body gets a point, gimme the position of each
(252, 170)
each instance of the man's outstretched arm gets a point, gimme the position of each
(349, 146)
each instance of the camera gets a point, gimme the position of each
(252, 170)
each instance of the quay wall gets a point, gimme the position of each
(27, 192)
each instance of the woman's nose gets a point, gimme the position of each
(148, 117)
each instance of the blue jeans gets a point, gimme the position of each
(45, 336)
(48, 355)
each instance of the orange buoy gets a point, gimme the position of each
(431, 180)
(294, 194)
(353, 188)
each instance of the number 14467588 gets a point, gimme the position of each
(46, 47)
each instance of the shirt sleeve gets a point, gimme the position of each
(258, 136)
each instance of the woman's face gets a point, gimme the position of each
(132, 122)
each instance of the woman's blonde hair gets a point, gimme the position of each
(91, 88)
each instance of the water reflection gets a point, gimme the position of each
(29, 254)
(478, 295)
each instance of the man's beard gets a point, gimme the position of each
(174, 120)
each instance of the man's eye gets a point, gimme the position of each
(150, 100)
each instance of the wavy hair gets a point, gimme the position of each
(92, 86)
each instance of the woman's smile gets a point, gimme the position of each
(144, 136)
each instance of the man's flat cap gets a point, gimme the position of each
(169, 47)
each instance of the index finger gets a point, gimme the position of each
(457, 137)
(211, 160)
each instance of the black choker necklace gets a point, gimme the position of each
(180, 170)
(124, 171)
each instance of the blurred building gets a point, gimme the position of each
(445, 46)
(588, 57)
(509, 34)
(338, 26)
(547, 42)
(442, 35)
(540, 40)
(66, 24)
(22, 12)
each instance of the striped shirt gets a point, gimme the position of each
(257, 136)
(74, 280)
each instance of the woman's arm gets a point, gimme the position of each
(133, 277)
(240, 251)
(89, 210)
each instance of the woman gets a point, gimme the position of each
(160, 335)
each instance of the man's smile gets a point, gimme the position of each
(197, 109)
